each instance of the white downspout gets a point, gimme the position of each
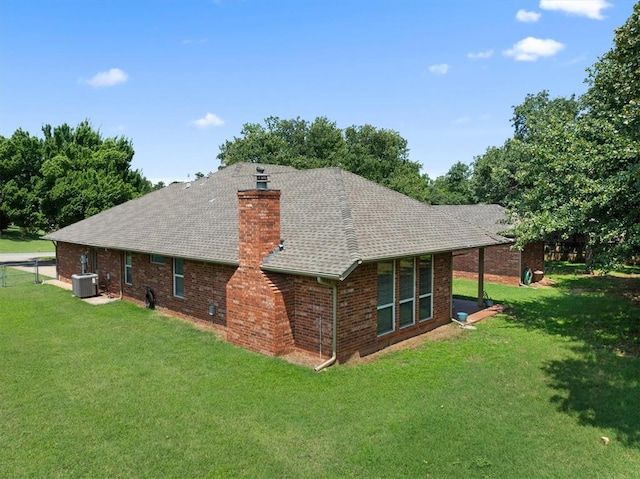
(334, 341)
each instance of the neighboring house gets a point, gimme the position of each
(502, 263)
(318, 260)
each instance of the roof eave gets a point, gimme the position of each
(439, 251)
(202, 259)
(315, 274)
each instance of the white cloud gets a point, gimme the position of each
(108, 78)
(209, 120)
(527, 17)
(530, 49)
(439, 69)
(480, 55)
(462, 120)
(587, 8)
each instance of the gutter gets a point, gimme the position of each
(318, 275)
(334, 341)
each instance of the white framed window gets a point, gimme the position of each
(425, 300)
(156, 259)
(386, 297)
(94, 260)
(178, 277)
(407, 292)
(128, 267)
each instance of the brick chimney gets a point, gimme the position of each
(256, 312)
(258, 222)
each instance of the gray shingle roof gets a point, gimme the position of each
(493, 218)
(330, 220)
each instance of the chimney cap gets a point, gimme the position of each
(261, 178)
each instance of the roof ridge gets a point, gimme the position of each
(345, 213)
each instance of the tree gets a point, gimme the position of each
(453, 188)
(68, 175)
(505, 175)
(377, 154)
(611, 124)
(84, 174)
(493, 177)
(573, 165)
(20, 162)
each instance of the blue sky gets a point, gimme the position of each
(180, 77)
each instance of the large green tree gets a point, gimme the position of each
(379, 155)
(611, 125)
(70, 174)
(20, 162)
(543, 130)
(454, 187)
(573, 165)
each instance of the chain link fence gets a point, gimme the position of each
(18, 273)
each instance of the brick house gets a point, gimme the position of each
(502, 263)
(321, 261)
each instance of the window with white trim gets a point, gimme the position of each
(178, 277)
(128, 267)
(407, 292)
(425, 301)
(157, 259)
(94, 260)
(386, 297)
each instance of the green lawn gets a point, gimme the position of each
(12, 241)
(120, 391)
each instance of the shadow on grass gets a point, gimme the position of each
(600, 384)
(602, 390)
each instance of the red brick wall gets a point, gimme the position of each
(273, 312)
(533, 256)
(259, 304)
(501, 264)
(109, 264)
(258, 312)
(68, 260)
(357, 309)
(313, 306)
(357, 312)
(205, 283)
(258, 226)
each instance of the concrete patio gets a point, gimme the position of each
(475, 312)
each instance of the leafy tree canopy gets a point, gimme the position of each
(573, 165)
(453, 188)
(376, 154)
(70, 174)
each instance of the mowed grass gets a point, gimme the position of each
(13, 241)
(120, 391)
